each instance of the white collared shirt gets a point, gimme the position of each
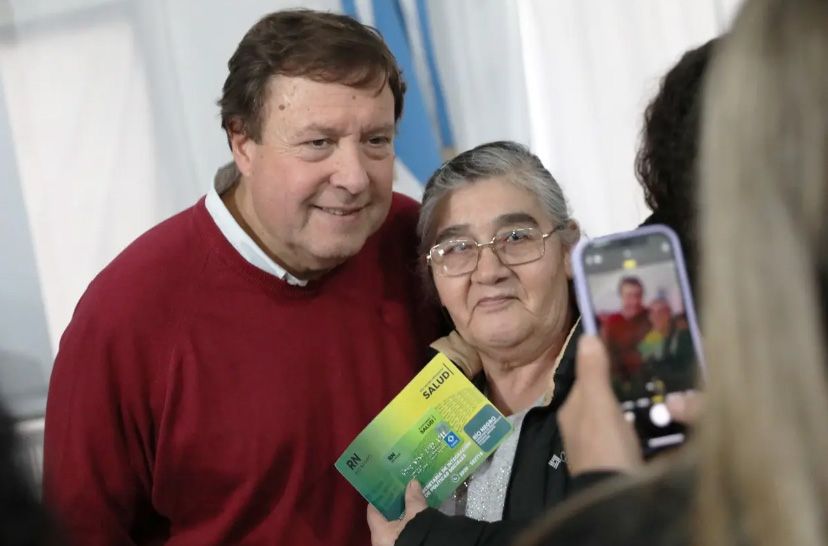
(226, 176)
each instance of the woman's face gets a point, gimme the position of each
(661, 315)
(497, 306)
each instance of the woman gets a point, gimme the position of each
(667, 349)
(496, 233)
(758, 472)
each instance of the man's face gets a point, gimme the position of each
(320, 182)
(631, 299)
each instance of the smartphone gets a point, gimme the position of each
(633, 292)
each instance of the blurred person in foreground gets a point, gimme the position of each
(23, 522)
(757, 472)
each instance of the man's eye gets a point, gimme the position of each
(319, 143)
(379, 141)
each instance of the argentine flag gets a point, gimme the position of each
(424, 134)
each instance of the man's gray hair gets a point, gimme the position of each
(496, 159)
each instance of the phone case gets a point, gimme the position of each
(588, 317)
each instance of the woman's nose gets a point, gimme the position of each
(489, 267)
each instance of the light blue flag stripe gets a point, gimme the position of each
(446, 135)
(416, 144)
(349, 8)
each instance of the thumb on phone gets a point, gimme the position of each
(595, 434)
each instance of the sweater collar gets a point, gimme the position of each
(243, 243)
(216, 240)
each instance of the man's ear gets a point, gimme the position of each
(243, 148)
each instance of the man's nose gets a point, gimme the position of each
(351, 173)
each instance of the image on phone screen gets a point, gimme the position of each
(641, 308)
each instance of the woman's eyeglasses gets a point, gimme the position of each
(514, 247)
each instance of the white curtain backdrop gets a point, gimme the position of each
(109, 114)
(591, 68)
(112, 115)
(481, 66)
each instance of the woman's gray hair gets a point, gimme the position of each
(495, 159)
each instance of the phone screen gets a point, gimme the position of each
(640, 305)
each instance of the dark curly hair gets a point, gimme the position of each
(666, 161)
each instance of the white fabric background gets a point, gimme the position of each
(591, 68)
(110, 121)
(480, 63)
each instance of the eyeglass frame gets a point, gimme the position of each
(480, 246)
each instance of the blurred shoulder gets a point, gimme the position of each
(624, 511)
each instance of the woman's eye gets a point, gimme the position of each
(458, 247)
(516, 236)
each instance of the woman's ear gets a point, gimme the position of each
(571, 237)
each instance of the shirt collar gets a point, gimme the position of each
(225, 177)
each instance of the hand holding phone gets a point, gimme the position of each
(596, 436)
(633, 292)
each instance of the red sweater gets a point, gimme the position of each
(196, 399)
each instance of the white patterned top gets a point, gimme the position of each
(483, 495)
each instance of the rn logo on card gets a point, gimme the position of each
(355, 462)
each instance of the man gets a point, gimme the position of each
(623, 331)
(215, 370)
